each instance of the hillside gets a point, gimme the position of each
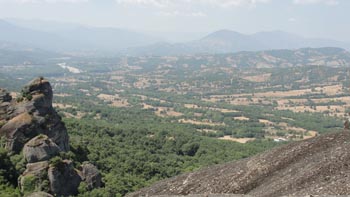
(317, 166)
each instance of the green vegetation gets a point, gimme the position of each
(143, 119)
(133, 154)
(29, 184)
(8, 176)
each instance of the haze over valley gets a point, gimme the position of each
(79, 39)
(147, 98)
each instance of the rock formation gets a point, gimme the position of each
(91, 176)
(64, 179)
(318, 166)
(29, 115)
(31, 124)
(40, 148)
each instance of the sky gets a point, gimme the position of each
(309, 18)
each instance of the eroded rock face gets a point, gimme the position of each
(16, 131)
(31, 124)
(5, 100)
(34, 178)
(91, 175)
(30, 115)
(36, 168)
(64, 179)
(40, 148)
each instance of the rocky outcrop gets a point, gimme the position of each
(318, 166)
(31, 124)
(34, 178)
(64, 179)
(40, 148)
(29, 115)
(91, 175)
(5, 100)
(58, 177)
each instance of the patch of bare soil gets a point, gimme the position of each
(114, 100)
(241, 118)
(239, 140)
(258, 78)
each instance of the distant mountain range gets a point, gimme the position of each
(63, 37)
(68, 38)
(226, 41)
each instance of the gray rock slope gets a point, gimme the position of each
(318, 166)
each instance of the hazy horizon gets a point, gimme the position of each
(185, 20)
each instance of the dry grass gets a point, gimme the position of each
(146, 106)
(242, 118)
(239, 140)
(258, 78)
(62, 106)
(163, 111)
(310, 134)
(166, 112)
(116, 100)
(62, 95)
(266, 122)
(330, 90)
(207, 130)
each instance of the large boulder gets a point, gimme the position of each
(18, 131)
(40, 148)
(35, 105)
(64, 179)
(34, 178)
(91, 175)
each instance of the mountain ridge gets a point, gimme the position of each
(70, 37)
(228, 41)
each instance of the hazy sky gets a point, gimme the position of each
(312, 18)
